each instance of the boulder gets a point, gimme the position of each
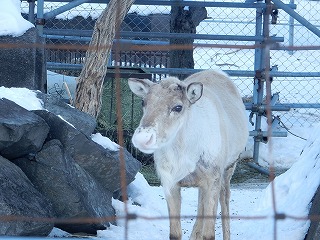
(102, 164)
(71, 190)
(73, 176)
(24, 64)
(19, 198)
(84, 122)
(314, 229)
(21, 131)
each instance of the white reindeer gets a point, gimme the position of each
(196, 129)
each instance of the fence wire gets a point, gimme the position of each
(225, 54)
(219, 21)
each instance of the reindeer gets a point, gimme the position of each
(196, 130)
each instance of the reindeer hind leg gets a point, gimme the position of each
(225, 200)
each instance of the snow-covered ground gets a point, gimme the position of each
(292, 191)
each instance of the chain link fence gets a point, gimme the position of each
(70, 47)
(145, 27)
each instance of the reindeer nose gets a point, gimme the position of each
(144, 139)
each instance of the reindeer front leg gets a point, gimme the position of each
(174, 208)
(198, 226)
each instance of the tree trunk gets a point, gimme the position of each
(184, 20)
(90, 82)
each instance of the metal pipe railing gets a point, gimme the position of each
(297, 17)
(258, 86)
(172, 71)
(188, 3)
(88, 33)
(63, 8)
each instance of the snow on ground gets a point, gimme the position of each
(153, 205)
(292, 192)
(57, 85)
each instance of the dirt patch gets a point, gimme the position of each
(248, 175)
(244, 175)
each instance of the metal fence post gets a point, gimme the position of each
(258, 84)
(40, 19)
(31, 10)
(291, 30)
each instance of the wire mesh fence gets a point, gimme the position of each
(220, 21)
(299, 52)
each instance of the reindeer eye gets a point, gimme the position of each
(143, 103)
(177, 108)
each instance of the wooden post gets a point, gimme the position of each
(184, 20)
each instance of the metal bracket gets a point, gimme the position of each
(274, 15)
(40, 21)
(260, 109)
(260, 136)
(259, 75)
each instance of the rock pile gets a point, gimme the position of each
(52, 173)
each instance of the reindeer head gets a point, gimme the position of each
(165, 107)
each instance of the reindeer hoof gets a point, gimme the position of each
(172, 237)
(209, 238)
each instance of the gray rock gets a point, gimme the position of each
(21, 131)
(72, 191)
(19, 198)
(102, 164)
(314, 229)
(84, 122)
(23, 65)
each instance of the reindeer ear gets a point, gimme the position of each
(140, 87)
(194, 91)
